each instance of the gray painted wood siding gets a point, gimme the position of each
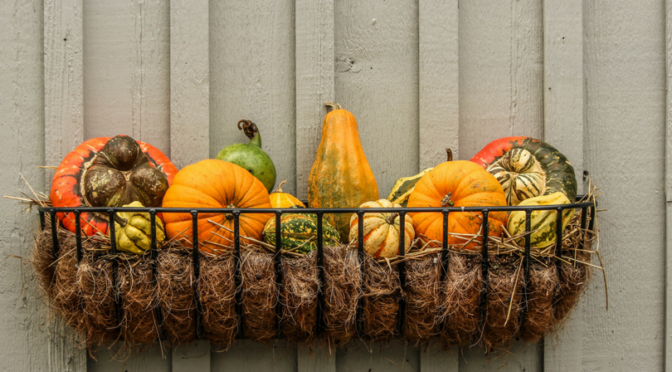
(590, 77)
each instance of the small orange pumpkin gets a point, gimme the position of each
(457, 184)
(213, 183)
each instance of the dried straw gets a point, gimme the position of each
(217, 292)
(259, 295)
(462, 300)
(94, 278)
(541, 290)
(175, 280)
(380, 303)
(138, 287)
(503, 301)
(423, 298)
(299, 298)
(343, 276)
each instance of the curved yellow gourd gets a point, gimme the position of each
(542, 223)
(133, 230)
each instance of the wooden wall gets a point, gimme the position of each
(420, 75)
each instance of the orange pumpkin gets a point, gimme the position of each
(341, 176)
(457, 184)
(213, 183)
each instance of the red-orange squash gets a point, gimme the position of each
(341, 176)
(457, 184)
(109, 172)
(213, 183)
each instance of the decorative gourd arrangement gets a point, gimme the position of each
(341, 176)
(250, 155)
(531, 172)
(456, 184)
(213, 183)
(382, 230)
(109, 172)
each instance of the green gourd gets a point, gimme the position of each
(250, 155)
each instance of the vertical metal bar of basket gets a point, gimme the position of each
(115, 266)
(42, 221)
(444, 248)
(360, 255)
(526, 264)
(54, 235)
(558, 242)
(402, 270)
(155, 256)
(238, 279)
(195, 259)
(584, 221)
(320, 272)
(484, 268)
(277, 260)
(591, 223)
(78, 236)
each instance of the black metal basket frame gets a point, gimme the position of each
(585, 206)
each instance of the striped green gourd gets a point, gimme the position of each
(542, 223)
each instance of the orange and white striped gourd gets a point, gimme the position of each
(381, 230)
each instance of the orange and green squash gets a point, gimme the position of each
(299, 232)
(341, 176)
(281, 199)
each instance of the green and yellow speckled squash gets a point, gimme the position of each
(542, 223)
(403, 188)
(299, 232)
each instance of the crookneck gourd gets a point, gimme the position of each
(299, 232)
(250, 155)
(133, 230)
(109, 172)
(281, 199)
(404, 186)
(381, 231)
(341, 176)
(527, 168)
(213, 183)
(457, 184)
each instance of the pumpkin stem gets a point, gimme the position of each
(229, 216)
(331, 106)
(279, 189)
(449, 153)
(251, 131)
(446, 201)
(390, 219)
(121, 221)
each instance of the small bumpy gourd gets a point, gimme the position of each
(250, 155)
(542, 223)
(133, 230)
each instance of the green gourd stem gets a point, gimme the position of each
(251, 131)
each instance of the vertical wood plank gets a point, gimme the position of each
(252, 76)
(190, 120)
(63, 79)
(194, 357)
(149, 360)
(501, 72)
(316, 358)
(376, 50)
(127, 70)
(625, 150)
(668, 186)
(439, 115)
(367, 356)
(563, 128)
(189, 82)
(314, 81)
(500, 94)
(63, 129)
(252, 356)
(438, 81)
